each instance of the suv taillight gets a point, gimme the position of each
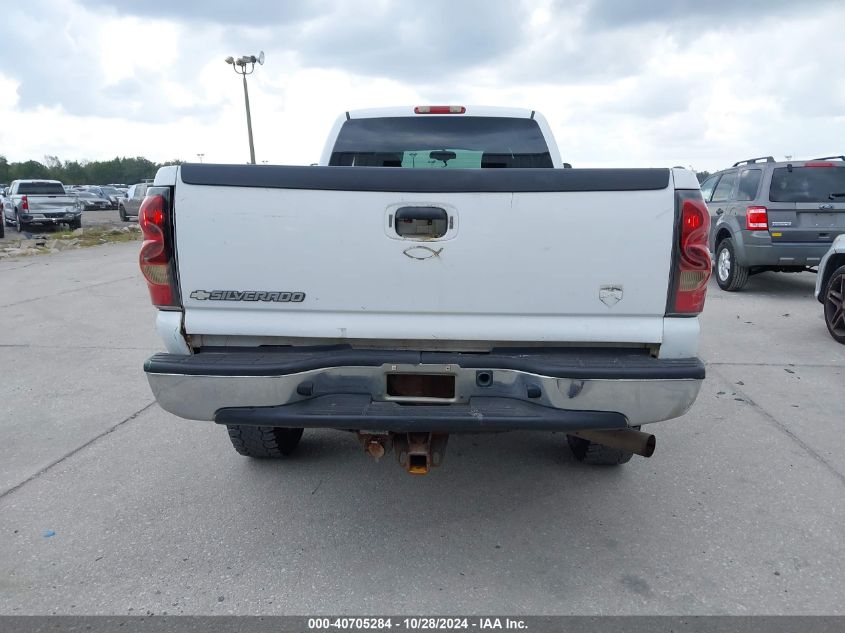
(692, 264)
(757, 219)
(24, 204)
(156, 257)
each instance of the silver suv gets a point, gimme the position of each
(130, 203)
(770, 215)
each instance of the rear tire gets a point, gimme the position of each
(729, 274)
(588, 452)
(20, 226)
(122, 213)
(264, 441)
(834, 305)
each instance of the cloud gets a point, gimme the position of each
(622, 83)
(425, 41)
(84, 64)
(709, 15)
(257, 13)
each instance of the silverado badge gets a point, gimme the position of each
(247, 295)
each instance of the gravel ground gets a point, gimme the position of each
(89, 218)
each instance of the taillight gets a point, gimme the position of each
(24, 204)
(757, 219)
(440, 110)
(692, 265)
(819, 164)
(156, 257)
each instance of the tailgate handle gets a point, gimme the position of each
(423, 222)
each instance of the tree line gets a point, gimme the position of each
(94, 172)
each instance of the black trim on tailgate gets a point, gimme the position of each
(585, 364)
(424, 180)
(356, 411)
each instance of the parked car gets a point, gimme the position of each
(493, 308)
(129, 205)
(769, 215)
(106, 193)
(2, 216)
(830, 289)
(112, 193)
(92, 202)
(40, 203)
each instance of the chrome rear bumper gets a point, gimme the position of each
(227, 389)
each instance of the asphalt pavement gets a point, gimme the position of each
(108, 505)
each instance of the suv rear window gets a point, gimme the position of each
(441, 142)
(806, 184)
(41, 188)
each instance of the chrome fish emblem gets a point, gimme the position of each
(422, 252)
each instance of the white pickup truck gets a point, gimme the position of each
(439, 272)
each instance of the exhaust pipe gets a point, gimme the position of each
(631, 440)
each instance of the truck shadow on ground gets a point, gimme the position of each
(505, 449)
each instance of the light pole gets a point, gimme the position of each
(240, 65)
(200, 156)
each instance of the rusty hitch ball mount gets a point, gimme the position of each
(416, 452)
(376, 445)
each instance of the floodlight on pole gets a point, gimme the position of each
(246, 66)
(199, 155)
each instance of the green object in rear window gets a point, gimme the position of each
(442, 158)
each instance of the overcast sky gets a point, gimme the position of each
(622, 82)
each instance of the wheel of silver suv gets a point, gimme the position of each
(723, 267)
(729, 274)
(834, 305)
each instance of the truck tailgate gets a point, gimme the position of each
(50, 203)
(561, 255)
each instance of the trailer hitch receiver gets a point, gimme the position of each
(420, 452)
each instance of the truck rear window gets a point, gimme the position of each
(441, 142)
(807, 184)
(41, 188)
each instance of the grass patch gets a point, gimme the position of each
(96, 235)
(52, 241)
